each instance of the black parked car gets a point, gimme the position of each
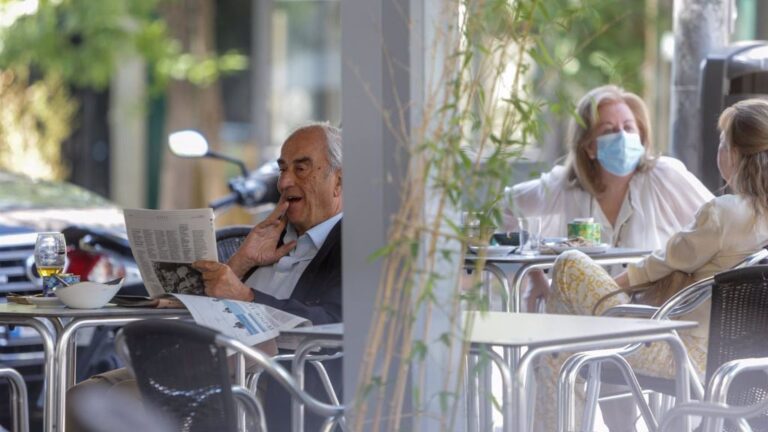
(28, 206)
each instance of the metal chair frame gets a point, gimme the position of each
(19, 404)
(683, 302)
(333, 413)
(714, 407)
(234, 235)
(315, 360)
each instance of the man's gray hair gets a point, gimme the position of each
(332, 141)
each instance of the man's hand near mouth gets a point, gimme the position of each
(260, 247)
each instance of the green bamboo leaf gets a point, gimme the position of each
(381, 252)
(415, 247)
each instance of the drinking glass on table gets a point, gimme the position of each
(530, 235)
(50, 254)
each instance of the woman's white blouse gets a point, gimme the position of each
(660, 202)
(724, 232)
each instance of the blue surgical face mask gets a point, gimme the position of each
(620, 152)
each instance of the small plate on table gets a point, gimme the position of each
(492, 251)
(45, 302)
(559, 248)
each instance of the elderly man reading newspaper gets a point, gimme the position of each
(290, 261)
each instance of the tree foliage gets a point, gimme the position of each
(82, 41)
(35, 118)
(49, 46)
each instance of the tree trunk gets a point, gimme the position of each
(189, 183)
(700, 27)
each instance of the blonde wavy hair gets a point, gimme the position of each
(745, 132)
(583, 171)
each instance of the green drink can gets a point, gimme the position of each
(585, 228)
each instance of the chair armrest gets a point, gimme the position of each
(281, 376)
(631, 310)
(252, 404)
(686, 299)
(715, 405)
(681, 303)
(709, 409)
(723, 377)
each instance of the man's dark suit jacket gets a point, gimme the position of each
(317, 297)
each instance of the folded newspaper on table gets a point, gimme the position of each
(165, 243)
(251, 323)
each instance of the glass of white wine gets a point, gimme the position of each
(50, 253)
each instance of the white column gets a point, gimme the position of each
(387, 50)
(371, 172)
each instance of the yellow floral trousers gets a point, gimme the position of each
(577, 285)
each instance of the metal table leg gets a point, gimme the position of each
(506, 379)
(524, 374)
(298, 365)
(49, 343)
(19, 407)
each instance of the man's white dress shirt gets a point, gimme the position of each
(279, 279)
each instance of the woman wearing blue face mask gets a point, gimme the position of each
(612, 175)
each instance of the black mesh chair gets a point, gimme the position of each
(738, 332)
(229, 239)
(182, 368)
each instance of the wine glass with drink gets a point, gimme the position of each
(50, 254)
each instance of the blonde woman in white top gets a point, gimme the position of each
(725, 230)
(612, 175)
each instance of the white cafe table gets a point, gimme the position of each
(510, 270)
(309, 339)
(59, 343)
(512, 283)
(548, 334)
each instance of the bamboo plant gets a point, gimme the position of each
(481, 114)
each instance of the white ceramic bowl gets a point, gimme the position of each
(87, 295)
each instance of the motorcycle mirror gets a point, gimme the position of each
(188, 143)
(191, 143)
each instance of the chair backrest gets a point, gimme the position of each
(180, 370)
(739, 329)
(229, 239)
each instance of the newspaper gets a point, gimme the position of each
(251, 323)
(166, 242)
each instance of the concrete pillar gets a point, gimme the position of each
(373, 32)
(700, 26)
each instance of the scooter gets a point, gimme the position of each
(249, 190)
(102, 255)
